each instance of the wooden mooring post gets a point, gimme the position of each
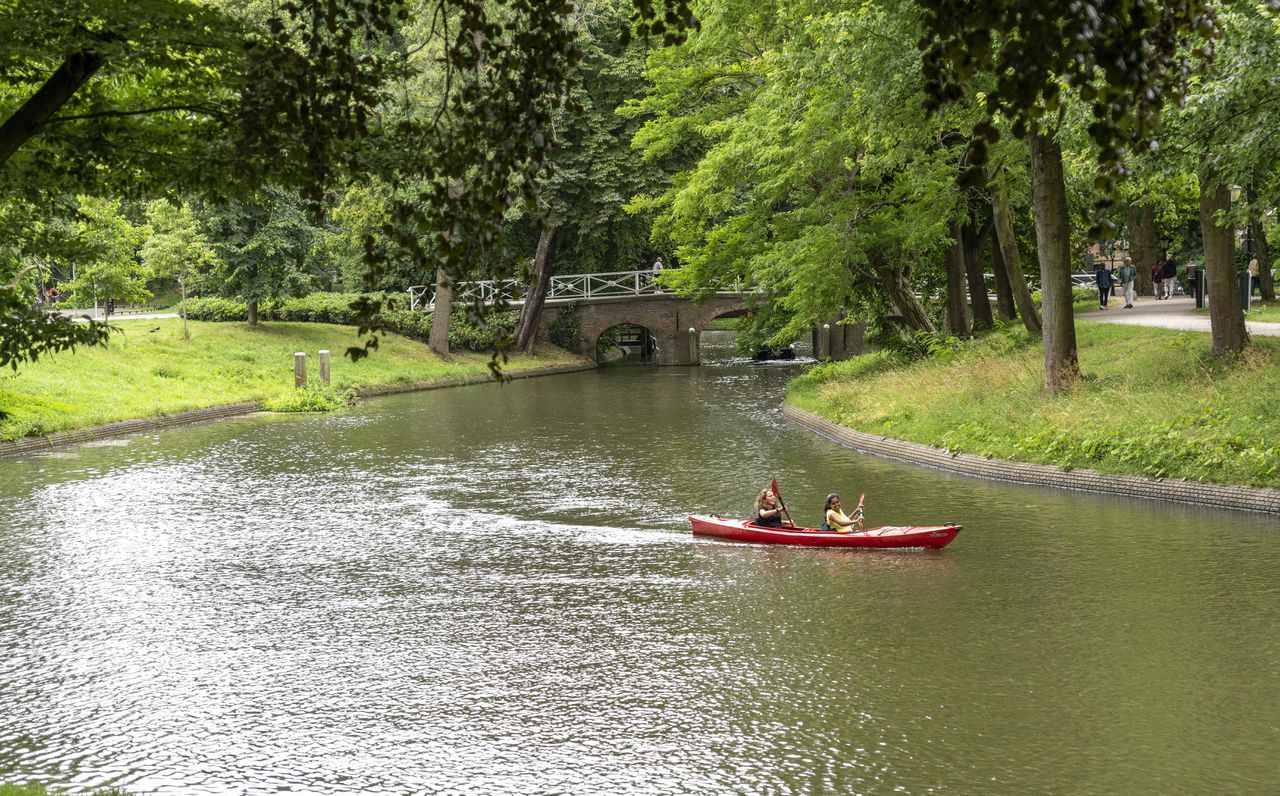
(324, 368)
(299, 369)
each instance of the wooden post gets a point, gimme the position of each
(693, 346)
(324, 368)
(299, 369)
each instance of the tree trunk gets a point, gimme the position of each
(957, 321)
(1226, 316)
(1142, 246)
(971, 244)
(439, 338)
(1258, 234)
(251, 312)
(1049, 200)
(540, 281)
(1005, 307)
(61, 86)
(1008, 244)
(898, 286)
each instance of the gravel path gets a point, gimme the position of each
(1175, 313)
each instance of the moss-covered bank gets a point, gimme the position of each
(1152, 402)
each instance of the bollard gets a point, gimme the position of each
(693, 346)
(299, 369)
(324, 368)
(825, 339)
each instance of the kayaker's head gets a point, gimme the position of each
(833, 502)
(766, 500)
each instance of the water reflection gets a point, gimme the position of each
(493, 590)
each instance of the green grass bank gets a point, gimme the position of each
(41, 790)
(149, 370)
(1151, 402)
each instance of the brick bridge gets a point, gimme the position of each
(604, 301)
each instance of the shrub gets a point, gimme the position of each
(316, 308)
(311, 397)
(213, 308)
(566, 330)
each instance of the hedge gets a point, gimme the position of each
(335, 308)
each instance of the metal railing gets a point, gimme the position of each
(562, 288)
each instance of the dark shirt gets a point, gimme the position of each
(1170, 269)
(1103, 277)
(769, 522)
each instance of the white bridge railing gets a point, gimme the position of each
(568, 287)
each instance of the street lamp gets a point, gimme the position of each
(1236, 190)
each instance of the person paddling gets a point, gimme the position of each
(835, 517)
(768, 510)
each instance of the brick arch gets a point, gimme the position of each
(667, 317)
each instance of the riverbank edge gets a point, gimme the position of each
(1223, 496)
(123, 427)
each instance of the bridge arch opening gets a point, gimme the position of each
(626, 343)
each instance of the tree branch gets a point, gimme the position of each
(27, 120)
(137, 112)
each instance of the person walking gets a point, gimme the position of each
(1157, 276)
(1102, 277)
(1253, 275)
(1170, 274)
(1127, 274)
(657, 272)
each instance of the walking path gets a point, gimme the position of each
(119, 316)
(1175, 313)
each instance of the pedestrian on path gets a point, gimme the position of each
(1253, 275)
(1127, 274)
(1157, 277)
(1102, 276)
(1170, 274)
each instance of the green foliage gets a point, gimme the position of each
(177, 246)
(311, 397)
(820, 181)
(213, 308)
(1124, 60)
(26, 332)
(565, 330)
(109, 267)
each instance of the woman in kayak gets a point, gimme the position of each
(835, 518)
(768, 512)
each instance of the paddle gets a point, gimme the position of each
(780, 503)
(858, 511)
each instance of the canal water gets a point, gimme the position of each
(493, 589)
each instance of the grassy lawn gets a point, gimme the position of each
(149, 370)
(1265, 311)
(1152, 401)
(723, 324)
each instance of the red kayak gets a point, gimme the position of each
(933, 537)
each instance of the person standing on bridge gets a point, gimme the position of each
(1127, 274)
(657, 272)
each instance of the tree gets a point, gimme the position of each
(263, 248)
(582, 215)
(108, 268)
(1061, 366)
(823, 184)
(177, 247)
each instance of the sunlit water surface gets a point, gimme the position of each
(493, 589)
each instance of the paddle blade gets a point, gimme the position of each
(775, 489)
